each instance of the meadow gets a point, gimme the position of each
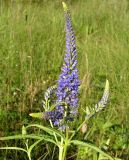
(32, 47)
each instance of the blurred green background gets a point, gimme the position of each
(32, 47)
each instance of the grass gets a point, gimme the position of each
(32, 48)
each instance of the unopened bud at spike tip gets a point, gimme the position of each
(107, 85)
(64, 6)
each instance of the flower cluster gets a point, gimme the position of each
(67, 88)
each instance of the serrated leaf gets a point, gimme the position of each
(20, 137)
(29, 136)
(14, 148)
(50, 131)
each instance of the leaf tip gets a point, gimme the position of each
(36, 115)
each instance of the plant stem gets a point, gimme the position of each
(53, 133)
(65, 145)
(27, 148)
(29, 156)
(46, 109)
(61, 150)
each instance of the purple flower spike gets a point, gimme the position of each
(67, 90)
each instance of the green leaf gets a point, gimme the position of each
(108, 124)
(32, 136)
(29, 136)
(50, 131)
(37, 115)
(85, 144)
(23, 130)
(14, 148)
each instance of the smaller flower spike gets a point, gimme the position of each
(49, 92)
(102, 103)
(67, 89)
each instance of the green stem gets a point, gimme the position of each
(29, 156)
(65, 145)
(53, 133)
(61, 150)
(27, 148)
(47, 108)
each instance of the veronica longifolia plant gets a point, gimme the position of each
(64, 111)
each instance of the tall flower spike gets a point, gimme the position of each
(67, 90)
